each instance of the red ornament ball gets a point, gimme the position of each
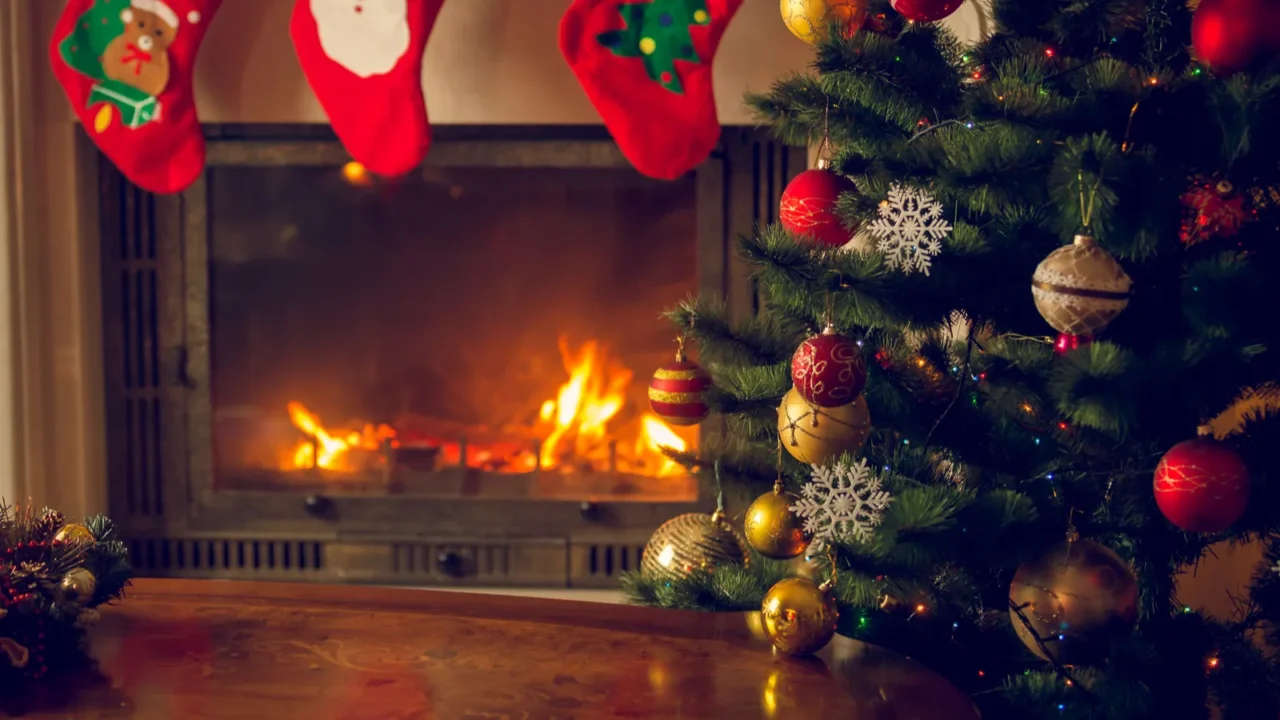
(1202, 485)
(828, 369)
(677, 392)
(1212, 210)
(1232, 35)
(926, 10)
(808, 205)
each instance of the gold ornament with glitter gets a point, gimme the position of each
(692, 542)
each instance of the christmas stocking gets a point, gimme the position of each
(646, 65)
(126, 68)
(363, 59)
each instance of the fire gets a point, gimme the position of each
(583, 427)
(576, 421)
(331, 449)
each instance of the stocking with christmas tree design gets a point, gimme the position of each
(646, 66)
(125, 65)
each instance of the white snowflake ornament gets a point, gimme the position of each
(841, 502)
(910, 229)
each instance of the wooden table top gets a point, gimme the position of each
(209, 650)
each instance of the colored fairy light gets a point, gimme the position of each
(920, 608)
(1048, 52)
(1049, 476)
(969, 125)
(1213, 662)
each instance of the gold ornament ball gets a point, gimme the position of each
(773, 529)
(814, 435)
(77, 586)
(73, 533)
(695, 541)
(810, 19)
(799, 616)
(1079, 289)
(1078, 597)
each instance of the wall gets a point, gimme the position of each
(488, 61)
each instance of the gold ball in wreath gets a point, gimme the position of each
(691, 542)
(815, 435)
(772, 529)
(72, 533)
(1076, 599)
(799, 616)
(1079, 289)
(78, 586)
(810, 19)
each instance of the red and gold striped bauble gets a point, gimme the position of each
(677, 392)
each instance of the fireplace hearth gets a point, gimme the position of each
(314, 374)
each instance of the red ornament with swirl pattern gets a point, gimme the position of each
(1202, 485)
(677, 392)
(923, 11)
(807, 209)
(828, 369)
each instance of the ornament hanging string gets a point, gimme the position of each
(824, 147)
(1128, 130)
(1086, 204)
(719, 513)
(777, 483)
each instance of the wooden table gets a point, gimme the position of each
(200, 650)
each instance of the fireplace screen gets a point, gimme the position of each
(478, 332)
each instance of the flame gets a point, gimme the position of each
(331, 449)
(575, 427)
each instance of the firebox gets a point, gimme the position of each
(317, 374)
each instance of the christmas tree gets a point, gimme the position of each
(1063, 241)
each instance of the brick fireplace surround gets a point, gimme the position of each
(53, 446)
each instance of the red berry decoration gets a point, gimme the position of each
(677, 392)
(926, 10)
(1232, 35)
(828, 369)
(808, 206)
(1202, 485)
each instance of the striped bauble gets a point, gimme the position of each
(677, 392)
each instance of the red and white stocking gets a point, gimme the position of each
(646, 66)
(363, 59)
(126, 68)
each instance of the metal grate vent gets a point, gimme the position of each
(133, 347)
(431, 559)
(225, 558)
(607, 561)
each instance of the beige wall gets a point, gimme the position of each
(488, 61)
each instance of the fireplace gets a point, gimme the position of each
(315, 374)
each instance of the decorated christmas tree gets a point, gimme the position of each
(999, 331)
